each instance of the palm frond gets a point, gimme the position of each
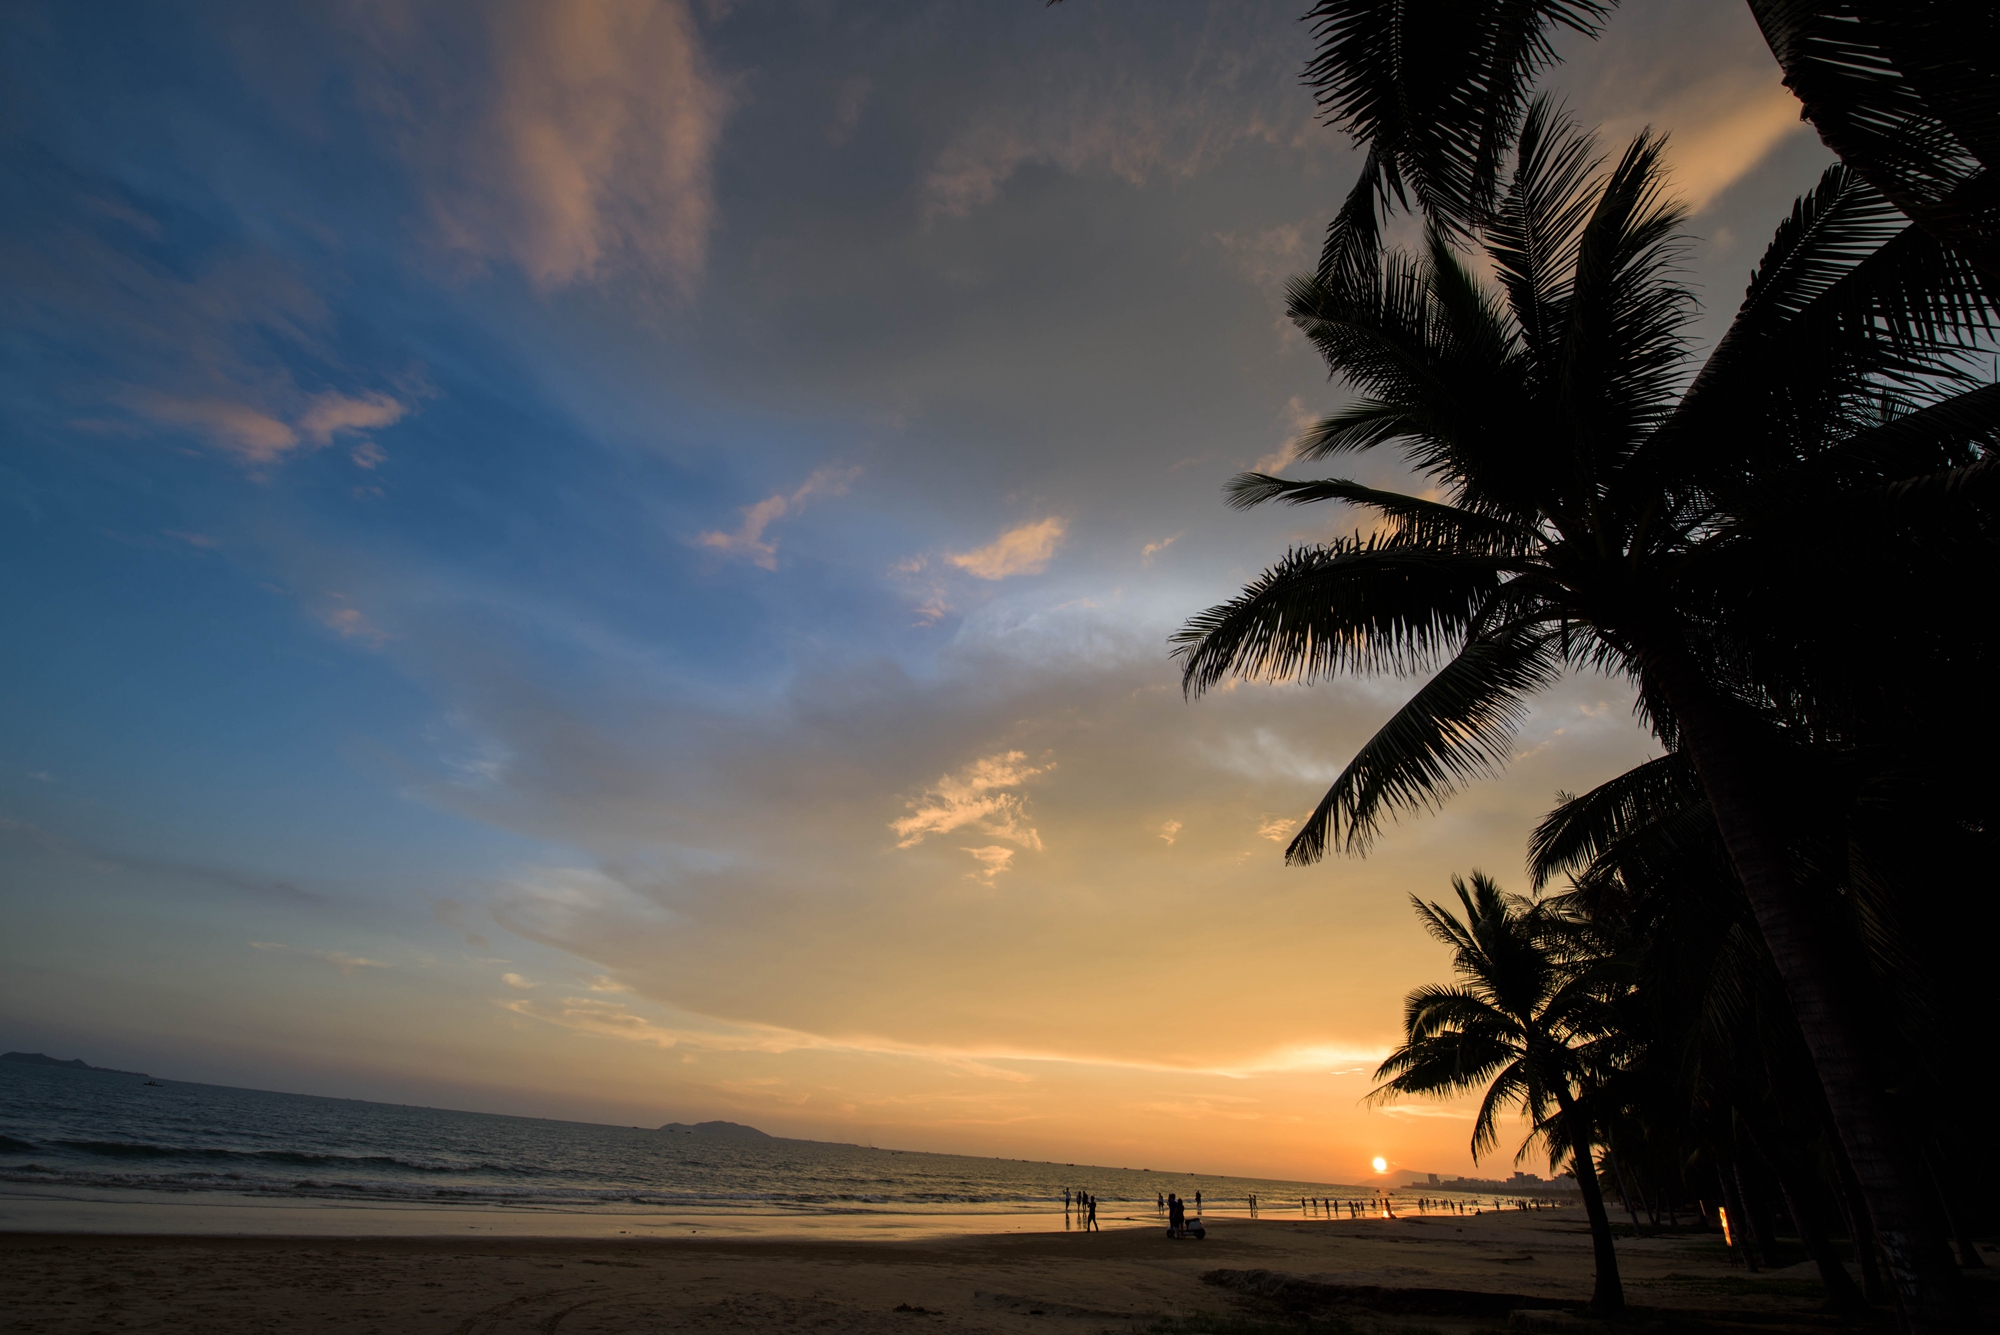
(1533, 232)
(1359, 604)
(1435, 94)
(1581, 829)
(1411, 518)
(1458, 727)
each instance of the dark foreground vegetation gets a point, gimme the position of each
(1751, 972)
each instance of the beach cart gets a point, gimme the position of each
(1191, 1227)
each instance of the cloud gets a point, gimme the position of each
(933, 601)
(848, 104)
(1722, 132)
(992, 860)
(1278, 829)
(349, 965)
(748, 539)
(1170, 831)
(585, 148)
(251, 434)
(260, 436)
(518, 983)
(1707, 80)
(349, 622)
(975, 797)
(1153, 549)
(613, 1019)
(1118, 122)
(1297, 419)
(1268, 256)
(1019, 551)
(326, 414)
(1421, 1110)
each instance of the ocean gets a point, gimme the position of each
(80, 1135)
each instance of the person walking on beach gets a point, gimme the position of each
(1092, 1222)
(1176, 1215)
(1065, 1200)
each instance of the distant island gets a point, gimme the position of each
(726, 1130)
(79, 1064)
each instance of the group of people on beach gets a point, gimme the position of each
(1386, 1206)
(1175, 1208)
(1177, 1216)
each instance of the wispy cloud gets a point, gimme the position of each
(1278, 829)
(258, 434)
(1133, 129)
(588, 148)
(1297, 418)
(611, 1019)
(1026, 550)
(976, 796)
(1420, 1110)
(1153, 549)
(349, 965)
(748, 540)
(339, 615)
(992, 860)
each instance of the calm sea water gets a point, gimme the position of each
(89, 1131)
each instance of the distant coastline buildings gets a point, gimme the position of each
(1518, 1184)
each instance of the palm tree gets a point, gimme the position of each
(1599, 512)
(1711, 1056)
(1905, 92)
(1520, 1022)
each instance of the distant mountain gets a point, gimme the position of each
(74, 1063)
(724, 1130)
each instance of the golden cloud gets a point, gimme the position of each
(1019, 551)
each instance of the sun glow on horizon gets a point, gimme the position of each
(1381, 1164)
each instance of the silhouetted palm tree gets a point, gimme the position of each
(1905, 92)
(1518, 1024)
(1595, 514)
(1711, 1065)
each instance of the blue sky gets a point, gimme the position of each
(613, 558)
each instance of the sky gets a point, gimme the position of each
(613, 559)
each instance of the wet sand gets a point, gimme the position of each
(1128, 1277)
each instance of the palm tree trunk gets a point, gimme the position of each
(1842, 1293)
(1925, 1281)
(1607, 1295)
(1740, 1233)
(1806, 1196)
(1624, 1190)
(1859, 1229)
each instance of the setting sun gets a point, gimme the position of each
(1381, 1164)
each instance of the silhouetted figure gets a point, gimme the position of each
(1092, 1223)
(1176, 1215)
(1065, 1200)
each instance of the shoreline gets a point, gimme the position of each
(140, 1212)
(1452, 1276)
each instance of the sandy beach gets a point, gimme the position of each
(1441, 1274)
